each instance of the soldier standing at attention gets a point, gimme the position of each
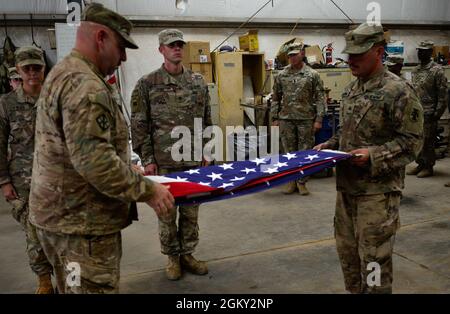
(381, 122)
(298, 107)
(394, 65)
(83, 185)
(430, 83)
(168, 97)
(17, 121)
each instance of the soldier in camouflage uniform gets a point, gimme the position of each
(394, 64)
(6, 62)
(298, 106)
(168, 97)
(17, 120)
(381, 124)
(430, 83)
(14, 78)
(83, 186)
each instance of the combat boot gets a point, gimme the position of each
(302, 190)
(44, 285)
(189, 263)
(290, 188)
(447, 184)
(414, 171)
(173, 269)
(427, 172)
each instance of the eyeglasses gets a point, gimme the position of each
(178, 44)
(32, 67)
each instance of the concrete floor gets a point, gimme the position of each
(270, 243)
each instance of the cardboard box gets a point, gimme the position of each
(387, 35)
(196, 52)
(249, 41)
(314, 55)
(204, 69)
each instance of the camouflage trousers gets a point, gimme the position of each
(427, 156)
(36, 257)
(84, 264)
(181, 239)
(365, 228)
(297, 135)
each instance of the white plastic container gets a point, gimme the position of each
(395, 47)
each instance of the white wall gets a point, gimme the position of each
(147, 58)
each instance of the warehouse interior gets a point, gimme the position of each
(266, 242)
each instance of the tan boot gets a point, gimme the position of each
(447, 184)
(302, 190)
(425, 173)
(414, 171)
(290, 188)
(173, 269)
(44, 285)
(189, 263)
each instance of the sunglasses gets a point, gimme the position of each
(178, 44)
(16, 80)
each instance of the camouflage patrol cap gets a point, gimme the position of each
(97, 13)
(427, 44)
(29, 55)
(362, 38)
(393, 60)
(294, 48)
(169, 36)
(12, 73)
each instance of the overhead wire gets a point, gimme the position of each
(243, 24)
(348, 17)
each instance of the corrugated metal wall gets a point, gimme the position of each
(33, 6)
(395, 10)
(391, 10)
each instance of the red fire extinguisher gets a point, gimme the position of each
(329, 53)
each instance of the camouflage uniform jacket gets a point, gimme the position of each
(82, 180)
(161, 102)
(430, 83)
(298, 95)
(17, 120)
(384, 115)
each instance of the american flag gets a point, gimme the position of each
(238, 178)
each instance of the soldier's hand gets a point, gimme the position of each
(205, 163)
(162, 200)
(151, 170)
(360, 157)
(9, 192)
(321, 146)
(317, 126)
(138, 169)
